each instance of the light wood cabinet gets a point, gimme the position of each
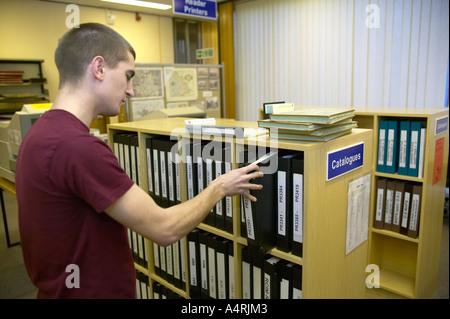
(327, 271)
(409, 266)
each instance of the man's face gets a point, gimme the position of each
(117, 86)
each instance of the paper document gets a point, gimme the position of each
(357, 212)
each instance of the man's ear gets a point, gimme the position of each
(98, 67)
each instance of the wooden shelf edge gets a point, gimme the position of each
(165, 283)
(395, 235)
(397, 283)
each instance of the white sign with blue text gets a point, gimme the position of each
(344, 160)
(196, 8)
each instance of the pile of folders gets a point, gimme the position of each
(398, 206)
(275, 220)
(401, 147)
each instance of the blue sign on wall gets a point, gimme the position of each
(441, 125)
(196, 8)
(344, 160)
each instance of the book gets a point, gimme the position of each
(276, 107)
(404, 144)
(423, 134)
(413, 168)
(260, 216)
(388, 211)
(407, 196)
(323, 131)
(194, 264)
(271, 285)
(416, 203)
(398, 205)
(299, 126)
(381, 203)
(223, 130)
(285, 199)
(304, 137)
(297, 205)
(314, 114)
(382, 141)
(247, 288)
(392, 147)
(297, 282)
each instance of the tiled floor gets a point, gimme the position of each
(15, 284)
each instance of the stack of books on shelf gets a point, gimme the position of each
(398, 206)
(269, 277)
(11, 76)
(169, 263)
(126, 149)
(211, 266)
(310, 123)
(205, 161)
(274, 221)
(142, 286)
(401, 147)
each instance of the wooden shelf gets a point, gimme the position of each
(325, 266)
(397, 283)
(409, 266)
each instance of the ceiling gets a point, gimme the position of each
(121, 7)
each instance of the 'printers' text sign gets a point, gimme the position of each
(344, 160)
(196, 8)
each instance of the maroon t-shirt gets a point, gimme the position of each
(65, 179)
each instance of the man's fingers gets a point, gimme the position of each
(250, 197)
(250, 168)
(255, 175)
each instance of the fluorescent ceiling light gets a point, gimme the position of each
(145, 4)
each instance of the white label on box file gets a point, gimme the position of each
(389, 205)
(390, 148)
(221, 284)
(402, 150)
(203, 267)
(284, 289)
(414, 212)
(298, 208)
(381, 147)
(380, 195)
(406, 209)
(281, 203)
(249, 218)
(414, 149)
(156, 171)
(193, 264)
(163, 174)
(149, 171)
(266, 286)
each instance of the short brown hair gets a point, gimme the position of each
(79, 46)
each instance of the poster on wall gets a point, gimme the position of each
(181, 84)
(148, 83)
(141, 107)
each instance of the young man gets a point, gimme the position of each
(75, 201)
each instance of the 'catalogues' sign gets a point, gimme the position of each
(344, 160)
(196, 8)
(441, 125)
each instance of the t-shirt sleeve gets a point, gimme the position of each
(90, 171)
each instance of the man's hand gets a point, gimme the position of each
(237, 181)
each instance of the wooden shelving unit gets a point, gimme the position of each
(327, 271)
(14, 95)
(409, 266)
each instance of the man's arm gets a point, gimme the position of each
(139, 212)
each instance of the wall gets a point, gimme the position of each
(391, 53)
(30, 29)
